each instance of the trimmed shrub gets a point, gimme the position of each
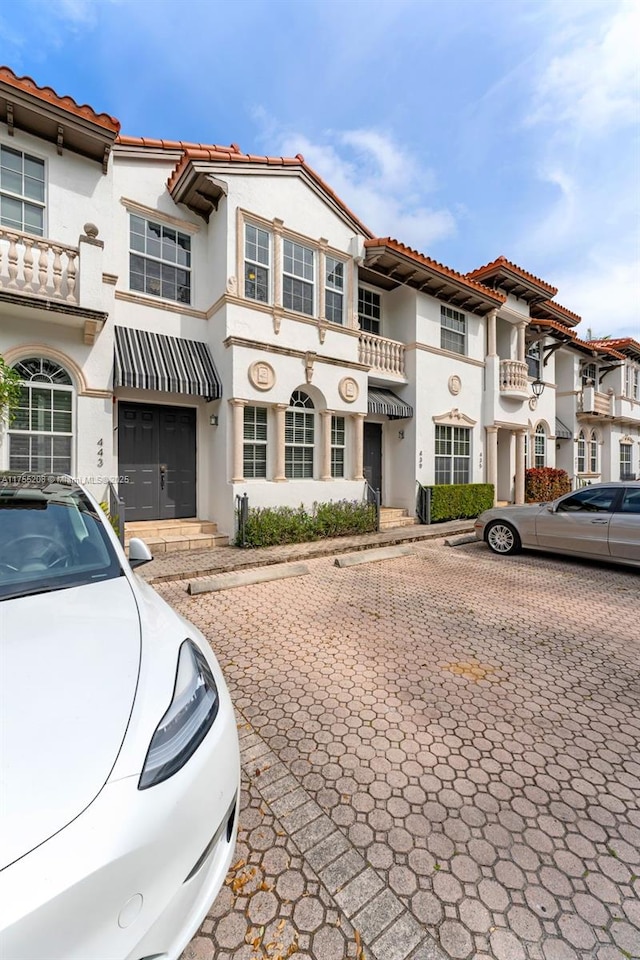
(271, 526)
(458, 501)
(545, 483)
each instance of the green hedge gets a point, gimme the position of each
(545, 483)
(270, 526)
(457, 501)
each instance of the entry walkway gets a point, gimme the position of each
(199, 563)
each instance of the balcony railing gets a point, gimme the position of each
(592, 401)
(382, 355)
(514, 378)
(38, 267)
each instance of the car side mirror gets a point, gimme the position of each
(139, 553)
(552, 507)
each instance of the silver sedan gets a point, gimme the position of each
(599, 522)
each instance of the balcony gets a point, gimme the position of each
(39, 275)
(385, 357)
(514, 379)
(593, 403)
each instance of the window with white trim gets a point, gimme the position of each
(255, 443)
(334, 290)
(453, 454)
(626, 460)
(337, 446)
(593, 453)
(159, 260)
(533, 359)
(299, 437)
(589, 374)
(257, 263)
(41, 433)
(453, 330)
(582, 452)
(369, 310)
(22, 191)
(632, 382)
(540, 447)
(298, 276)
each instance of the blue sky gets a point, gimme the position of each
(466, 129)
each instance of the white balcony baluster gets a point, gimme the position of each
(57, 272)
(381, 354)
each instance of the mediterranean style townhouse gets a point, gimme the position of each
(193, 323)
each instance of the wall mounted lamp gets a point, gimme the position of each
(213, 419)
(538, 387)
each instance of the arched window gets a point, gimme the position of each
(41, 433)
(299, 437)
(540, 446)
(582, 452)
(593, 453)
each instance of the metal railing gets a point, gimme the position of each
(242, 518)
(116, 511)
(423, 503)
(373, 496)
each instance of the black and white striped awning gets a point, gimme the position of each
(153, 361)
(386, 402)
(562, 431)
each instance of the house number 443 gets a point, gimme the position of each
(100, 453)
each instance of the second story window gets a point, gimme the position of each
(160, 260)
(297, 277)
(257, 262)
(453, 330)
(21, 191)
(369, 310)
(334, 290)
(589, 375)
(534, 368)
(632, 382)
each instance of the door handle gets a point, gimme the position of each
(599, 521)
(163, 472)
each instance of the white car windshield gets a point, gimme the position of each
(50, 538)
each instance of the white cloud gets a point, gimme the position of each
(589, 83)
(380, 180)
(604, 291)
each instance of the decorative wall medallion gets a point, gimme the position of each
(455, 384)
(262, 376)
(348, 389)
(533, 403)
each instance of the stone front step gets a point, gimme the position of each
(170, 536)
(391, 517)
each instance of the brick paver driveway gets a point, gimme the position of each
(441, 757)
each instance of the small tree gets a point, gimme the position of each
(10, 390)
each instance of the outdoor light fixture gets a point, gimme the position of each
(538, 387)
(213, 419)
(400, 434)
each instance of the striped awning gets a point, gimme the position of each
(562, 431)
(386, 402)
(153, 361)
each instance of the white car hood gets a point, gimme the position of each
(69, 663)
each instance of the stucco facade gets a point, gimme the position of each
(315, 355)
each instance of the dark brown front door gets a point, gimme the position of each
(372, 455)
(157, 452)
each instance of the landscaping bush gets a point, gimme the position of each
(545, 483)
(271, 526)
(457, 501)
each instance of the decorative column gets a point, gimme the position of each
(280, 408)
(492, 460)
(519, 492)
(492, 346)
(325, 453)
(358, 445)
(237, 413)
(521, 347)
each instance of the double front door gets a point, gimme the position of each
(157, 453)
(372, 455)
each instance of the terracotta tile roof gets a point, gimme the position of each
(619, 346)
(177, 145)
(49, 95)
(435, 265)
(600, 346)
(489, 269)
(554, 325)
(214, 153)
(550, 306)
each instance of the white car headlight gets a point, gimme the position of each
(186, 723)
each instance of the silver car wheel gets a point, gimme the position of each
(502, 538)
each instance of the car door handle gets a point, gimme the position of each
(599, 521)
